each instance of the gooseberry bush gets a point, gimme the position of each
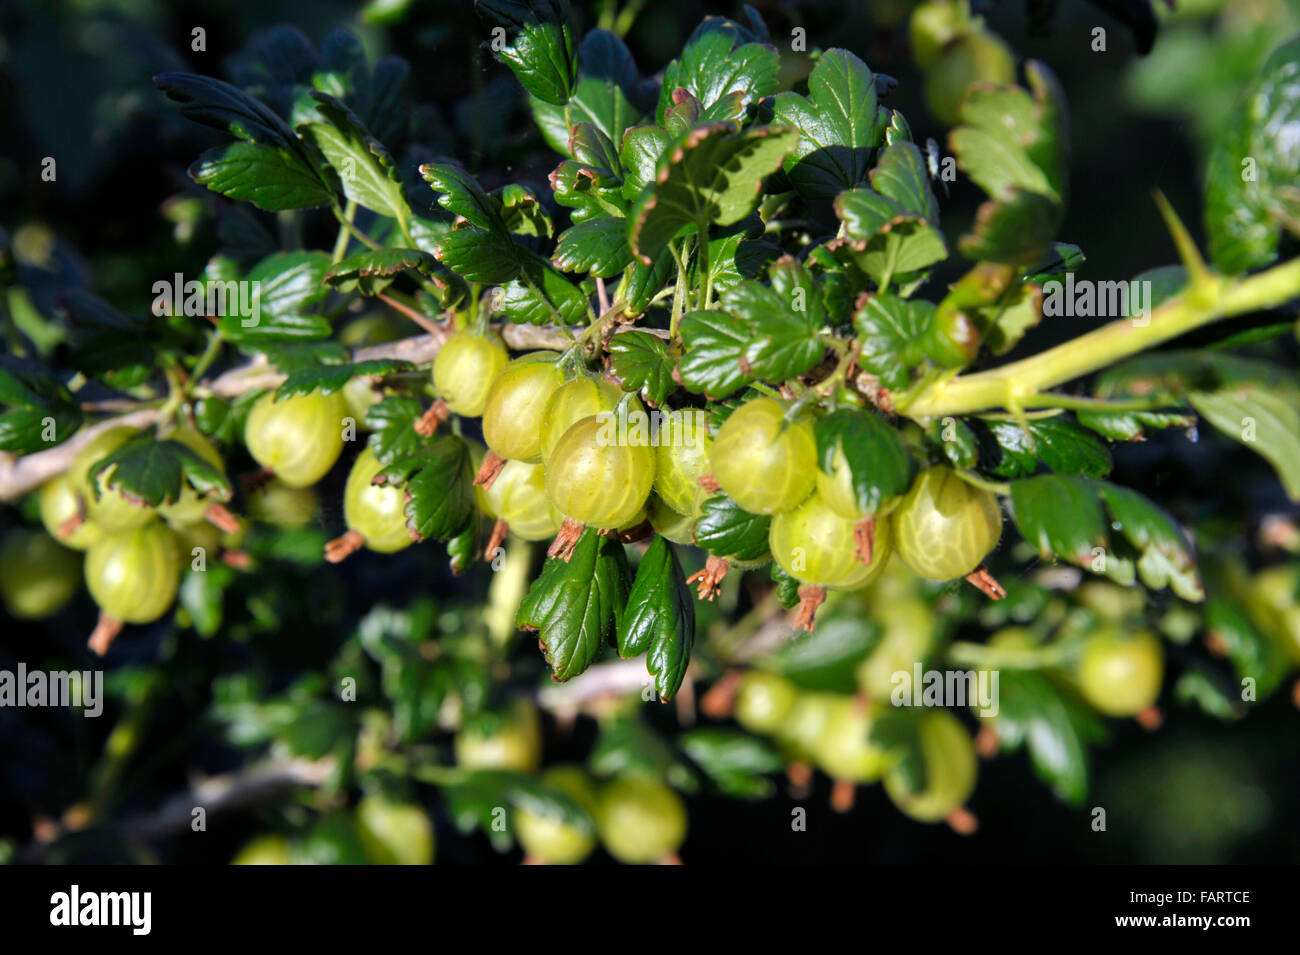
(730, 367)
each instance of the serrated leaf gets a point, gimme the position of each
(641, 361)
(217, 104)
(40, 412)
(643, 147)
(787, 587)
(712, 177)
(1032, 712)
(367, 171)
(289, 283)
(727, 530)
(372, 270)
(643, 282)
(273, 178)
(1058, 443)
(439, 486)
(1261, 419)
(883, 238)
(901, 175)
(715, 345)
(597, 246)
(735, 761)
(478, 256)
(392, 428)
(659, 619)
(576, 606)
(712, 65)
(838, 125)
(1167, 560)
(150, 472)
(783, 321)
(462, 196)
(890, 330)
(878, 461)
(541, 296)
(543, 58)
(1059, 515)
(328, 379)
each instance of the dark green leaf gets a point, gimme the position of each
(659, 619)
(439, 486)
(365, 168)
(1254, 656)
(271, 177)
(1058, 443)
(597, 246)
(727, 530)
(890, 329)
(328, 379)
(641, 361)
(1034, 713)
(825, 659)
(879, 462)
(392, 422)
(150, 472)
(1060, 515)
(715, 346)
(735, 762)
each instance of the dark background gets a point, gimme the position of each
(74, 84)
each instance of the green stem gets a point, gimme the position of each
(982, 655)
(356, 233)
(1107, 345)
(703, 243)
(993, 487)
(205, 361)
(679, 293)
(341, 242)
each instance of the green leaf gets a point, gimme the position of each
(727, 530)
(839, 126)
(479, 256)
(577, 605)
(290, 283)
(643, 147)
(597, 246)
(1166, 558)
(590, 193)
(212, 102)
(890, 330)
(900, 174)
(1132, 425)
(273, 178)
(1245, 214)
(150, 472)
(1033, 713)
(712, 66)
(643, 282)
(1059, 515)
(328, 379)
(608, 94)
(734, 761)
(1265, 420)
(541, 296)
(1058, 443)
(783, 322)
(522, 212)
(715, 346)
(40, 412)
(628, 746)
(372, 270)
(365, 168)
(712, 177)
(439, 485)
(541, 54)
(659, 619)
(1254, 656)
(878, 461)
(641, 361)
(392, 428)
(882, 237)
(825, 659)
(462, 196)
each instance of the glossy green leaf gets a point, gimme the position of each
(659, 618)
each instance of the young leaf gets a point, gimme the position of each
(659, 619)
(273, 178)
(715, 346)
(890, 330)
(364, 166)
(541, 54)
(439, 485)
(712, 177)
(641, 361)
(727, 530)
(597, 246)
(839, 126)
(149, 472)
(328, 379)
(712, 66)
(577, 605)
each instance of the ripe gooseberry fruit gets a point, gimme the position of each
(682, 457)
(820, 549)
(592, 479)
(934, 24)
(640, 820)
(393, 832)
(465, 369)
(764, 701)
(297, 439)
(375, 513)
(37, 575)
(803, 727)
(668, 523)
(1273, 601)
(110, 510)
(550, 840)
(944, 528)
(133, 576)
(510, 740)
(574, 400)
(845, 750)
(973, 57)
(265, 850)
(1119, 674)
(518, 497)
(359, 396)
(190, 507)
(516, 404)
(63, 512)
(765, 463)
(950, 771)
(280, 505)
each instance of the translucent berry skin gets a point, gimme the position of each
(189, 508)
(299, 438)
(802, 729)
(816, 546)
(845, 750)
(360, 397)
(133, 574)
(836, 489)
(464, 371)
(111, 511)
(514, 744)
(974, 57)
(596, 482)
(678, 528)
(553, 841)
(1271, 602)
(640, 820)
(950, 769)
(682, 457)
(518, 496)
(393, 832)
(60, 501)
(764, 701)
(574, 400)
(375, 511)
(37, 574)
(516, 404)
(264, 850)
(764, 463)
(280, 505)
(1120, 675)
(944, 527)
